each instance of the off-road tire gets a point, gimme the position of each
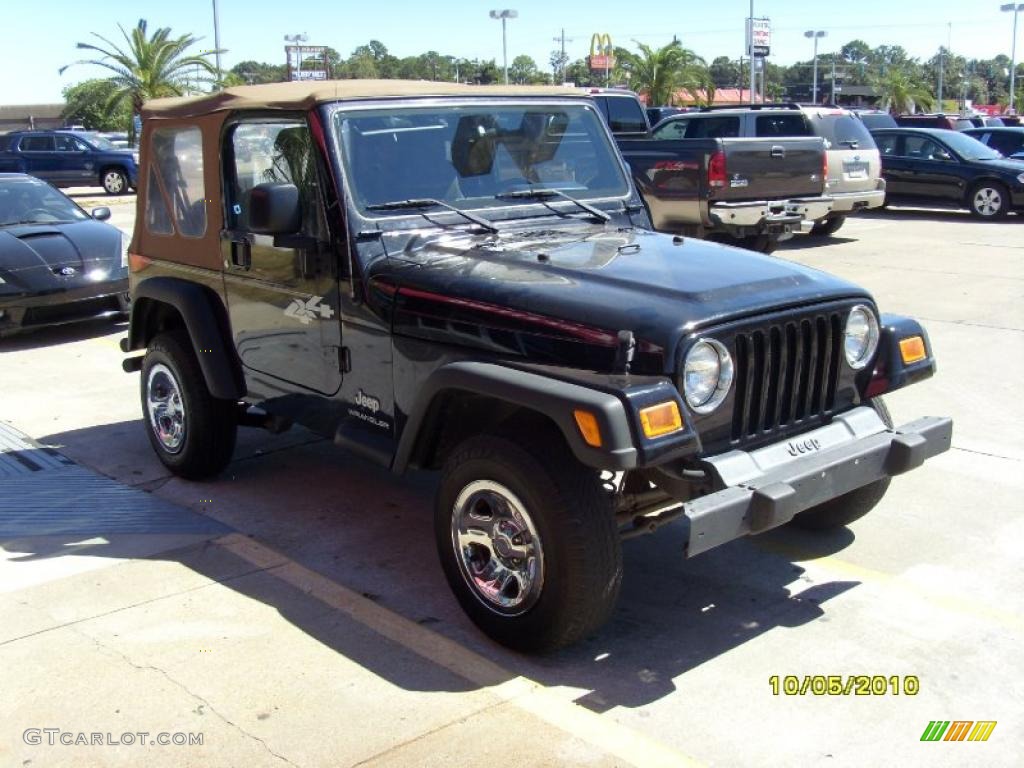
(827, 227)
(843, 510)
(997, 197)
(211, 425)
(582, 559)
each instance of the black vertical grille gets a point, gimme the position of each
(786, 373)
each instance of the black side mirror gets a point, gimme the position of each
(101, 214)
(275, 209)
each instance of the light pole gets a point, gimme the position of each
(504, 15)
(750, 51)
(814, 35)
(216, 41)
(1013, 48)
(295, 40)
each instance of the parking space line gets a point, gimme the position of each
(963, 606)
(532, 697)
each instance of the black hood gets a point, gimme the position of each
(657, 286)
(42, 257)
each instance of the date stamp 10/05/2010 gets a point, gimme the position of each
(844, 685)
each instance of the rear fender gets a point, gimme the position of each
(204, 318)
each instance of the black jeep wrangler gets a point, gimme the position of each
(464, 278)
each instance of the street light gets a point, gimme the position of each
(216, 41)
(504, 15)
(1013, 48)
(814, 35)
(295, 40)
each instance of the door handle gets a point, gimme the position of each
(240, 244)
(778, 151)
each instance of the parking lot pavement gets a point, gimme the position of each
(319, 625)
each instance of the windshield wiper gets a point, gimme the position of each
(539, 193)
(430, 202)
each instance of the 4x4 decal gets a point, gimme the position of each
(309, 310)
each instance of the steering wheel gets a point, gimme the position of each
(38, 211)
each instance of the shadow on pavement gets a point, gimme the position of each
(803, 242)
(63, 334)
(917, 213)
(370, 531)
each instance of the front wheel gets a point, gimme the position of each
(827, 227)
(843, 510)
(989, 200)
(529, 547)
(192, 432)
(114, 181)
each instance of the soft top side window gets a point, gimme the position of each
(274, 151)
(175, 182)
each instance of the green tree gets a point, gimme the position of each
(89, 104)
(660, 73)
(523, 70)
(900, 91)
(148, 67)
(724, 72)
(559, 63)
(257, 73)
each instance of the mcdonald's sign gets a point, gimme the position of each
(602, 56)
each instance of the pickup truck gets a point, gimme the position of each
(69, 159)
(751, 192)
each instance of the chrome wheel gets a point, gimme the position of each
(497, 548)
(166, 408)
(114, 182)
(988, 201)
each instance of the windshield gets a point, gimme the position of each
(33, 202)
(969, 148)
(468, 154)
(100, 142)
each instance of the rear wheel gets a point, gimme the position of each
(827, 227)
(192, 432)
(114, 181)
(527, 541)
(988, 200)
(851, 506)
(759, 243)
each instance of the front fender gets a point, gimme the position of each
(890, 372)
(206, 323)
(614, 403)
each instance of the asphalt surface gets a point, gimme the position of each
(293, 611)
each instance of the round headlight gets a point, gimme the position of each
(707, 375)
(861, 337)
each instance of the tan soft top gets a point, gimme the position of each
(304, 95)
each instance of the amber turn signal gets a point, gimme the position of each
(589, 428)
(661, 419)
(137, 263)
(912, 350)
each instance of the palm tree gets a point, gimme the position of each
(148, 67)
(900, 91)
(660, 73)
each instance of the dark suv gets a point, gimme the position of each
(70, 159)
(464, 279)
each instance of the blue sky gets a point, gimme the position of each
(36, 43)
